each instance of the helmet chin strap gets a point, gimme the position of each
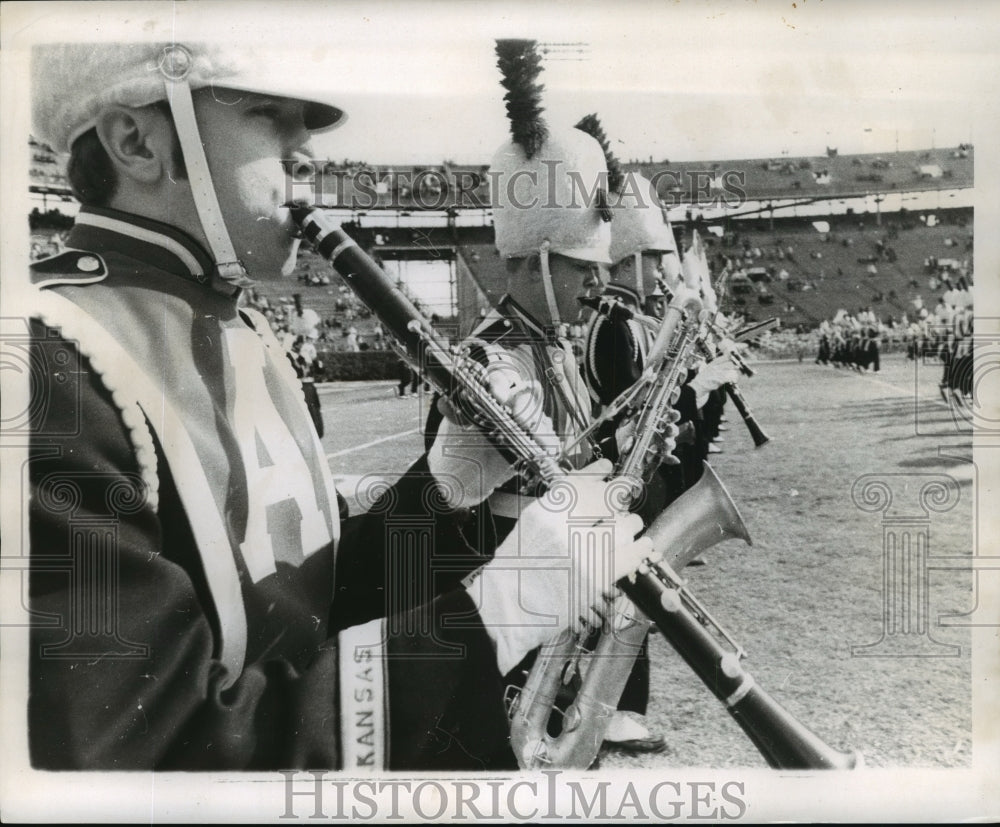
(637, 260)
(175, 66)
(550, 293)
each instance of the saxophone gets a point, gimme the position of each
(702, 516)
(542, 735)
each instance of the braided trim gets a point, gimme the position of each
(209, 531)
(640, 338)
(590, 357)
(140, 436)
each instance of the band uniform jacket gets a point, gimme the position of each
(186, 545)
(538, 355)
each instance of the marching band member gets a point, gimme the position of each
(644, 258)
(181, 502)
(556, 250)
(555, 246)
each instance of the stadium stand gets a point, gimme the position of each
(833, 270)
(465, 186)
(884, 262)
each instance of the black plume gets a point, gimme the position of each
(592, 126)
(520, 64)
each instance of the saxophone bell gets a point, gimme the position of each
(699, 518)
(542, 734)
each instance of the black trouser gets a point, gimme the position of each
(312, 403)
(411, 378)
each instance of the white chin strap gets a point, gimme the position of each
(550, 293)
(637, 259)
(175, 66)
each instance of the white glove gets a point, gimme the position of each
(463, 461)
(559, 565)
(713, 375)
(625, 433)
(728, 346)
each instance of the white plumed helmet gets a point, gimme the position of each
(547, 186)
(73, 82)
(638, 222)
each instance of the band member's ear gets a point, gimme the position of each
(139, 142)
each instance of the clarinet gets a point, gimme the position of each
(654, 589)
(736, 396)
(756, 432)
(456, 376)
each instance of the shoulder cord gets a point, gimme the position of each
(543, 360)
(562, 388)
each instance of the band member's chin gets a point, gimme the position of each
(583, 311)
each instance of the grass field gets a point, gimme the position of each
(811, 589)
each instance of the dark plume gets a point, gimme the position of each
(591, 124)
(520, 64)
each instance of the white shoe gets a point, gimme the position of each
(628, 733)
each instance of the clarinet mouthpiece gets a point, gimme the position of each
(299, 210)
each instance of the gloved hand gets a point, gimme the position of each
(713, 375)
(466, 465)
(543, 578)
(624, 437)
(727, 346)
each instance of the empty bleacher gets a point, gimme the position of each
(835, 265)
(832, 267)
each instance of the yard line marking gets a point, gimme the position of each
(372, 443)
(901, 392)
(347, 387)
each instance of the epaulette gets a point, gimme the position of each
(68, 267)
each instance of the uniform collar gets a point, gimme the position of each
(100, 230)
(507, 307)
(628, 295)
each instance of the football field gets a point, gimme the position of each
(864, 642)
